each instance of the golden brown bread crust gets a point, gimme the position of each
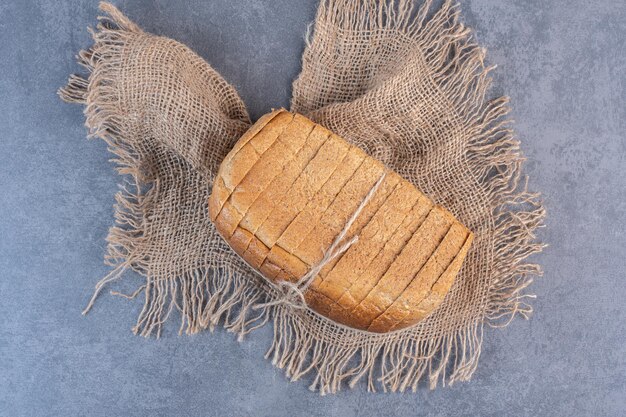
(403, 269)
(274, 154)
(286, 191)
(421, 284)
(415, 313)
(243, 155)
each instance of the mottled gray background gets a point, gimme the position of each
(562, 63)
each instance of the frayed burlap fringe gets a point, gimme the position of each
(404, 82)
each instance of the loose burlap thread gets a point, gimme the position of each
(404, 82)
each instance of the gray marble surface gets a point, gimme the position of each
(562, 62)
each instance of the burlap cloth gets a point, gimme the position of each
(405, 83)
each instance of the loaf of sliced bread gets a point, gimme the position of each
(287, 190)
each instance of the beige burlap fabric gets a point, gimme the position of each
(402, 81)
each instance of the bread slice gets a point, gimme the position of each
(281, 152)
(266, 202)
(307, 219)
(304, 188)
(424, 281)
(355, 262)
(359, 289)
(415, 311)
(244, 155)
(284, 194)
(387, 186)
(404, 268)
(332, 221)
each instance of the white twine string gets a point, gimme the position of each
(293, 292)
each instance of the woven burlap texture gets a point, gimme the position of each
(404, 82)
